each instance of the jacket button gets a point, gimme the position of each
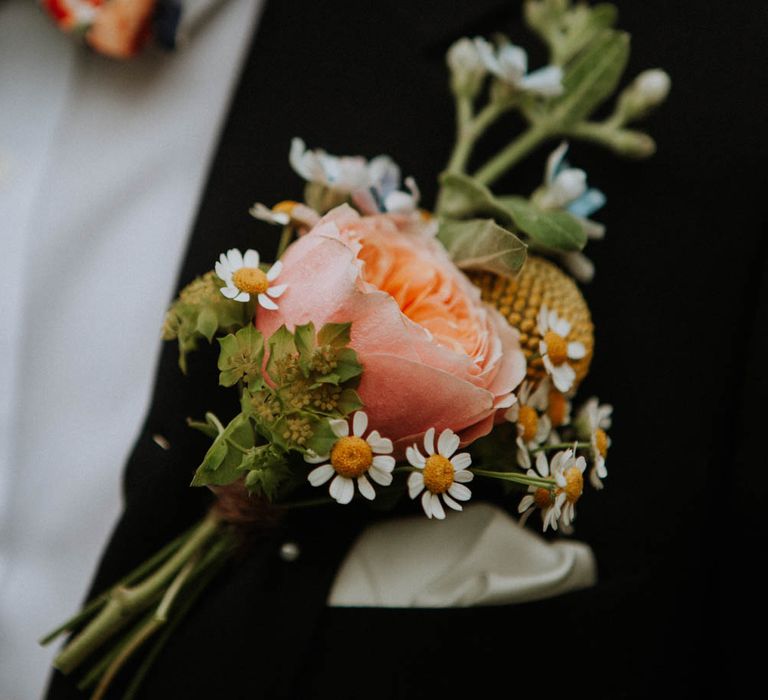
(289, 551)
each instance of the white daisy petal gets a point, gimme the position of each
(313, 458)
(319, 476)
(447, 443)
(461, 461)
(222, 272)
(576, 350)
(426, 503)
(251, 258)
(277, 290)
(543, 320)
(337, 486)
(345, 491)
(542, 466)
(415, 484)
(266, 302)
(429, 441)
(230, 292)
(274, 271)
(384, 462)
(359, 423)
(243, 296)
(380, 476)
(526, 502)
(451, 503)
(380, 445)
(563, 377)
(437, 507)
(365, 488)
(463, 476)
(235, 258)
(339, 427)
(414, 457)
(460, 492)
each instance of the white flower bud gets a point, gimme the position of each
(467, 67)
(653, 86)
(569, 184)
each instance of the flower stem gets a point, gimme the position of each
(91, 608)
(285, 239)
(155, 622)
(561, 446)
(470, 129)
(523, 479)
(514, 152)
(125, 602)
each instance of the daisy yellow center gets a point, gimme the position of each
(284, 207)
(542, 498)
(251, 280)
(351, 457)
(557, 348)
(557, 408)
(528, 420)
(601, 442)
(574, 484)
(438, 474)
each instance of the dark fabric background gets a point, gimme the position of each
(680, 303)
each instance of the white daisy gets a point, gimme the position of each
(591, 423)
(244, 277)
(509, 63)
(440, 473)
(539, 497)
(353, 458)
(284, 213)
(555, 349)
(568, 472)
(533, 426)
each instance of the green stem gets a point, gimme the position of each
(155, 622)
(285, 239)
(561, 446)
(514, 152)
(92, 607)
(596, 132)
(214, 559)
(463, 145)
(471, 129)
(124, 603)
(523, 479)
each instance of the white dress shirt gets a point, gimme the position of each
(102, 164)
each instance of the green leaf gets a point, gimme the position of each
(281, 345)
(481, 244)
(337, 335)
(558, 230)
(463, 197)
(323, 438)
(240, 357)
(221, 462)
(347, 365)
(304, 339)
(349, 401)
(207, 323)
(591, 78)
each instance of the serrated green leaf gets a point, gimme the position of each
(558, 230)
(323, 438)
(591, 78)
(221, 462)
(463, 197)
(481, 244)
(337, 335)
(266, 481)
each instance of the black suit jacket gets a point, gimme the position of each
(679, 302)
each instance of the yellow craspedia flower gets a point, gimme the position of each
(519, 299)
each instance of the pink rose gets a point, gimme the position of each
(433, 354)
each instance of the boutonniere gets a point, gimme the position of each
(398, 353)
